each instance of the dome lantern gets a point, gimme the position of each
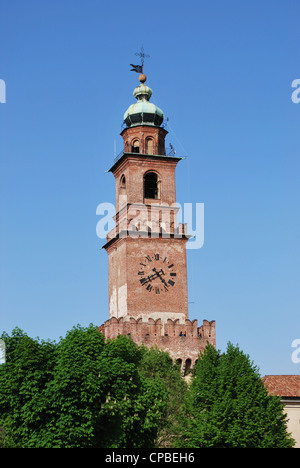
(143, 112)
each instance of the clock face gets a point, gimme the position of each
(156, 273)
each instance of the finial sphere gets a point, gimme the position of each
(142, 78)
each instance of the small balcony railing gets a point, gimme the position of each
(169, 152)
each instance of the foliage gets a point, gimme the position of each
(82, 392)
(157, 365)
(88, 392)
(227, 405)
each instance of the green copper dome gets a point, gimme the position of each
(143, 112)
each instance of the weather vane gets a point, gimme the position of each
(142, 55)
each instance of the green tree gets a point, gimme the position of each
(227, 405)
(158, 366)
(28, 368)
(81, 392)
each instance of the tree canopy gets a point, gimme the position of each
(227, 405)
(88, 392)
(81, 392)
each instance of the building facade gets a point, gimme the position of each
(287, 387)
(148, 297)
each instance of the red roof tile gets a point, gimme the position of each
(283, 385)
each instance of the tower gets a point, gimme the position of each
(146, 250)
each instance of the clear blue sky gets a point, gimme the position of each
(222, 72)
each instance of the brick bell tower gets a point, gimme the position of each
(146, 250)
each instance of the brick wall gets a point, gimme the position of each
(181, 340)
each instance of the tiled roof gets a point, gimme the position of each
(283, 385)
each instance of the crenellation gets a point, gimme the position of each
(181, 341)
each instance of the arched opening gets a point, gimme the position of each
(122, 192)
(179, 362)
(151, 186)
(149, 145)
(135, 147)
(123, 185)
(188, 364)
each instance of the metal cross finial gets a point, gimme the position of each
(142, 55)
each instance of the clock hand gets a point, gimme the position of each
(159, 273)
(147, 280)
(151, 278)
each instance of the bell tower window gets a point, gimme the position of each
(135, 147)
(149, 145)
(123, 185)
(151, 186)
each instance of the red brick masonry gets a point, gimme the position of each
(181, 341)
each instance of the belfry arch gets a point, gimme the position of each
(151, 185)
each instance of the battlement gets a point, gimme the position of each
(182, 340)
